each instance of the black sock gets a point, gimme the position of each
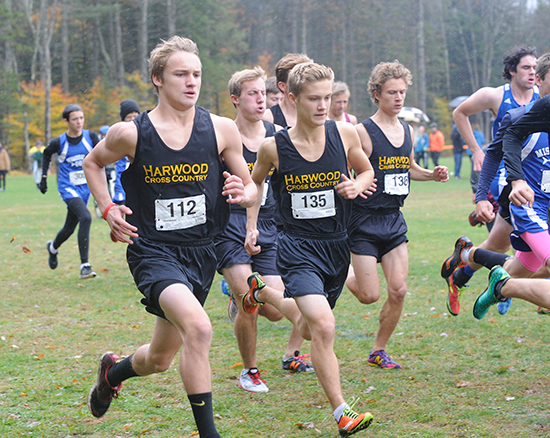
(498, 287)
(204, 414)
(121, 371)
(489, 259)
(460, 278)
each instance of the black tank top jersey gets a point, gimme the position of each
(278, 116)
(175, 195)
(308, 203)
(391, 168)
(268, 208)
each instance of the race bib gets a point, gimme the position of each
(180, 213)
(396, 183)
(545, 181)
(77, 178)
(312, 205)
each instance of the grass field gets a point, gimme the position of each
(460, 378)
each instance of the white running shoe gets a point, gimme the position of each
(251, 381)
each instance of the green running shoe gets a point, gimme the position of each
(487, 298)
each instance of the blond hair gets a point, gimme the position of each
(307, 73)
(235, 84)
(340, 88)
(160, 54)
(287, 63)
(385, 71)
(543, 65)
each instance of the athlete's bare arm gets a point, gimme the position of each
(357, 160)
(266, 159)
(486, 98)
(238, 183)
(120, 142)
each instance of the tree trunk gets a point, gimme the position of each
(445, 50)
(421, 58)
(142, 39)
(304, 25)
(65, 46)
(171, 17)
(10, 61)
(119, 59)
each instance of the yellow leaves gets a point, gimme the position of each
(462, 384)
(26, 249)
(237, 364)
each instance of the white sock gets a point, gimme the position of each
(52, 249)
(339, 411)
(85, 264)
(465, 254)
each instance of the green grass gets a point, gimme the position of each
(457, 372)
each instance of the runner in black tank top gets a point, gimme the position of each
(176, 203)
(377, 228)
(314, 193)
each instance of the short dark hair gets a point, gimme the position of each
(72, 107)
(513, 57)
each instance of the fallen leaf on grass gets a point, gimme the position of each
(104, 271)
(510, 398)
(238, 364)
(12, 239)
(127, 426)
(462, 384)
(40, 356)
(26, 250)
(492, 320)
(369, 389)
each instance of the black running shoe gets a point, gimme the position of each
(102, 392)
(52, 257)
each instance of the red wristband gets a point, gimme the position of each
(111, 205)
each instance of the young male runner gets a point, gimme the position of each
(174, 208)
(339, 103)
(377, 228)
(71, 147)
(284, 113)
(247, 91)
(273, 95)
(313, 190)
(518, 68)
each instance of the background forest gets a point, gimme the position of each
(95, 52)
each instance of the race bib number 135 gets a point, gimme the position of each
(180, 213)
(312, 205)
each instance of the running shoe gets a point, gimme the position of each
(472, 217)
(252, 381)
(351, 422)
(453, 297)
(488, 298)
(102, 392)
(504, 306)
(298, 363)
(543, 311)
(225, 288)
(232, 309)
(454, 261)
(382, 359)
(250, 300)
(52, 256)
(86, 271)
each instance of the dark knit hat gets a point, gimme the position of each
(69, 109)
(128, 106)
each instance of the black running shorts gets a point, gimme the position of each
(376, 234)
(154, 263)
(230, 246)
(313, 266)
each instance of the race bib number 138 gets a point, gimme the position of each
(180, 213)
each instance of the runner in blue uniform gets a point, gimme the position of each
(518, 68)
(377, 229)
(247, 91)
(129, 110)
(71, 147)
(177, 201)
(314, 192)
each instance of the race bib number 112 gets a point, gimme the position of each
(180, 213)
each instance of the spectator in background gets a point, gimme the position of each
(5, 167)
(35, 154)
(458, 150)
(421, 146)
(437, 141)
